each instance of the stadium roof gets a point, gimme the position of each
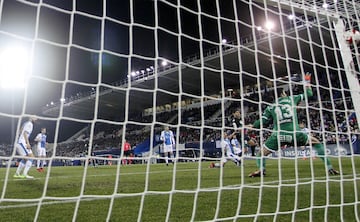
(247, 60)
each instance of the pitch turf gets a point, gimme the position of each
(292, 190)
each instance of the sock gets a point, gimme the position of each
(167, 160)
(38, 163)
(27, 166)
(260, 160)
(43, 163)
(20, 167)
(321, 152)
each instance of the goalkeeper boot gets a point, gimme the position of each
(257, 173)
(333, 172)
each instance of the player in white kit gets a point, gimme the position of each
(303, 127)
(23, 148)
(41, 149)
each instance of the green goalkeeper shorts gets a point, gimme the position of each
(286, 138)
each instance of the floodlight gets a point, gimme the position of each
(14, 62)
(269, 25)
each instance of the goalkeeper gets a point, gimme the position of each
(286, 129)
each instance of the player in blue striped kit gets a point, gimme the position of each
(228, 151)
(167, 137)
(41, 149)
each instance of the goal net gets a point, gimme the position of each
(107, 78)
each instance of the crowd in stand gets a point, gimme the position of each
(205, 124)
(330, 117)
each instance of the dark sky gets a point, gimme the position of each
(67, 48)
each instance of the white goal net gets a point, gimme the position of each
(110, 79)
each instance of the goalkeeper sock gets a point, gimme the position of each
(321, 152)
(260, 161)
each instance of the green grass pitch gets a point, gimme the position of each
(293, 190)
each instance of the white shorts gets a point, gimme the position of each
(41, 151)
(237, 150)
(168, 148)
(22, 150)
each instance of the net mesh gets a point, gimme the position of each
(104, 73)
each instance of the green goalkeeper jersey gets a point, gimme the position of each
(283, 113)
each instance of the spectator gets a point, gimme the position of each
(127, 151)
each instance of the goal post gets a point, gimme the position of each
(107, 74)
(348, 60)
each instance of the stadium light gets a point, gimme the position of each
(14, 64)
(269, 25)
(291, 16)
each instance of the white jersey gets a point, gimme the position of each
(27, 128)
(313, 152)
(229, 151)
(167, 136)
(227, 147)
(21, 146)
(236, 146)
(41, 138)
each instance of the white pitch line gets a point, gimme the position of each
(86, 198)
